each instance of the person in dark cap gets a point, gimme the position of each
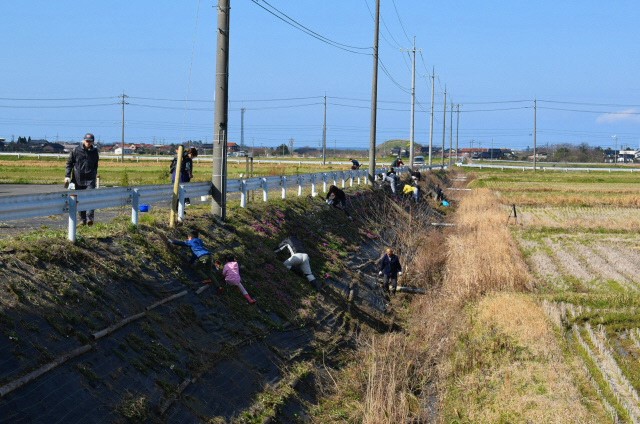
(82, 171)
(355, 165)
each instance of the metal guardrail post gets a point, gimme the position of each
(72, 201)
(243, 194)
(265, 190)
(181, 196)
(324, 182)
(350, 178)
(283, 183)
(135, 206)
(314, 193)
(344, 182)
(299, 180)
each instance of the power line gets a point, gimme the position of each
(587, 104)
(58, 107)
(384, 69)
(590, 111)
(290, 21)
(59, 99)
(400, 20)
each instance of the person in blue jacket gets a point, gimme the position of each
(390, 267)
(199, 255)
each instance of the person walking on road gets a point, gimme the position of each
(82, 171)
(391, 269)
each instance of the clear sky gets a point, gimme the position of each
(64, 63)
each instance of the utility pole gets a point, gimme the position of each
(450, 132)
(444, 124)
(535, 154)
(433, 83)
(242, 127)
(219, 166)
(324, 133)
(123, 102)
(457, 129)
(291, 147)
(413, 104)
(374, 99)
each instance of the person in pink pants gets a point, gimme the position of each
(231, 274)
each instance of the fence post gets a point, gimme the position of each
(283, 183)
(344, 183)
(72, 201)
(350, 178)
(299, 186)
(243, 193)
(324, 182)
(135, 200)
(314, 193)
(181, 196)
(265, 190)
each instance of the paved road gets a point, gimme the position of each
(13, 189)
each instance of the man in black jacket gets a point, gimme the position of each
(82, 171)
(390, 268)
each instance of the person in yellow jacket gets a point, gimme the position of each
(413, 190)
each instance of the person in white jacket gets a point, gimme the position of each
(297, 258)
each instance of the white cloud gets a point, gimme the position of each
(628, 115)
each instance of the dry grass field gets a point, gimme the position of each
(579, 238)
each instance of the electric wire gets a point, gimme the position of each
(292, 22)
(395, 7)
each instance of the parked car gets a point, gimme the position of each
(418, 160)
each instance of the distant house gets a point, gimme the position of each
(128, 150)
(52, 148)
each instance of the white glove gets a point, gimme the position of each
(380, 273)
(399, 273)
(67, 180)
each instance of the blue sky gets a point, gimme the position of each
(579, 59)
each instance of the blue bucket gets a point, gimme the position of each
(144, 208)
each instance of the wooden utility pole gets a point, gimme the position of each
(444, 124)
(219, 171)
(413, 105)
(457, 132)
(374, 99)
(324, 133)
(433, 84)
(123, 102)
(450, 132)
(535, 154)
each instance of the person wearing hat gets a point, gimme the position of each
(82, 171)
(355, 164)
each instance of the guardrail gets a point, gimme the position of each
(548, 168)
(71, 201)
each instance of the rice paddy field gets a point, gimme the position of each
(580, 237)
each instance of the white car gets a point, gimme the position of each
(418, 160)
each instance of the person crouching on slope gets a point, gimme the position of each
(231, 273)
(338, 199)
